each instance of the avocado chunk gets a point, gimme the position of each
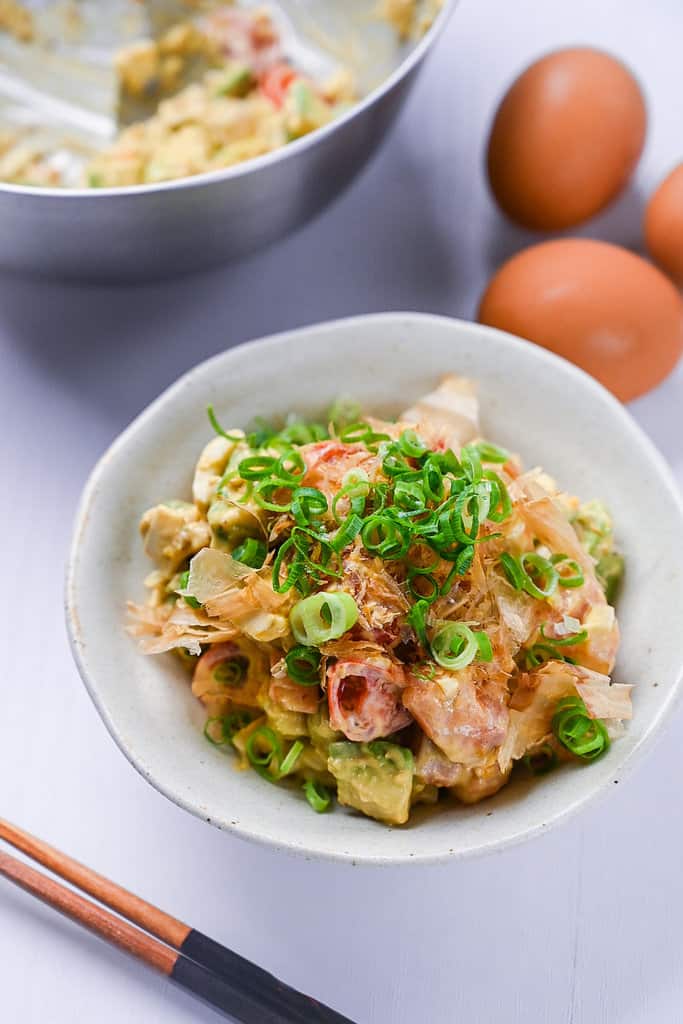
(321, 732)
(593, 524)
(375, 778)
(238, 81)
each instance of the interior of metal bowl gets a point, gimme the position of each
(65, 90)
(530, 402)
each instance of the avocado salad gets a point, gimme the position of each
(387, 612)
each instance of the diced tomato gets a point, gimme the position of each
(276, 81)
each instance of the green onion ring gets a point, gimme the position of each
(318, 796)
(512, 570)
(384, 536)
(423, 577)
(432, 480)
(576, 579)
(485, 646)
(303, 665)
(256, 467)
(583, 736)
(290, 466)
(322, 617)
(289, 764)
(213, 420)
(347, 532)
(411, 444)
(545, 569)
(307, 504)
(541, 761)
(491, 452)
(471, 463)
(251, 552)
(295, 568)
(500, 496)
(266, 488)
(539, 654)
(417, 618)
(454, 645)
(261, 761)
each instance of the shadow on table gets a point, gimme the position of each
(115, 348)
(620, 224)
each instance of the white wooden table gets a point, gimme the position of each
(581, 926)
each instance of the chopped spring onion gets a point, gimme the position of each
(266, 492)
(234, 487)
(318, 796)
(538, 654)
(432, 479)
(322, 617)
(294, 568)
(382, 535)
(251, 552)
(454, 645)
(566, 641)
(543, 582)
(501, 504)
(343, 412)
(187, 598)
(355, 488)
(448, 462)
(300, 432)
(395, 463)
(417, 617)
(213, 420)
(471, 463)
(219, 731)
(347, 532)
(256, 467)
(484, 645)
(307, 504)
(540, 583)
(411, 444)
(303, 665)
(356, 433)
(464, 560)
(409, 495)
(231, 672)
(290, 466)
(583, 736)
(541, 761)
(262, 748)
(512, 570)
(290, 761)
(423, 586)
(575, 576)
(491, 452)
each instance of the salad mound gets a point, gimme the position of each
(387, 610)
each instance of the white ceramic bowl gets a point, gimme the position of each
(533, 402)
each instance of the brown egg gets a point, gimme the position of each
(566, 138)
(664, 225)
(596, 304)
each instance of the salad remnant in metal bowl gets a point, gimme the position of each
(188, 96)
(387, 610)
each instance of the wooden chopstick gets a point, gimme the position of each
(95, 919)
(197, 963)
(145, 915)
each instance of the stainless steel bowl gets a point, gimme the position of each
(155, 231)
